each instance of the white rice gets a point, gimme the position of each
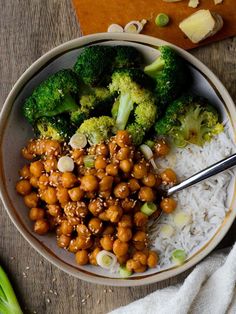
(205, 202)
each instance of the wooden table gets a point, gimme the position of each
(28, 29)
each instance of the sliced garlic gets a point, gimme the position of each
(193, 3)
(78, 140)
(134, 27)
(115, 28)
(182, 219)
(167, 231)
(106, 259)
(65, 164)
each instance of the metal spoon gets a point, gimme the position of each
(200, 176)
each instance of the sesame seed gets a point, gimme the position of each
(48, 300)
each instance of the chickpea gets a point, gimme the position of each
(123, 259)
(120, 248)
(140, 219)
(39, 147)
(91, 171)
(23, 187)
(126, 165)
(49, 195)
(90, 195)
(52, 148)
(161, 148)
(125, 222)
(124, 234)
(100, 174)
(36, 213)
(63, 241)
(168, 176)
(43, 182)
(89, 183)
(82, 257)
(114, 213)
(123, 138)
(93, 255)
(75, 209)
(146, 194)
(103, 216)
(76, 194)
(152, 259)
(109, 230)
(77, 153)
(84, 243)
(36, 168)
(168, 205)
(31, 200)
(140, 257)
(62, 195)
(112, 170)
(140, 236)
(73, 246)
(25, 172)
(107, 242)
(112, 147)
(96, 206)
(66, 228)
(68, 179)
(134, 185)
(121, 190)
(100, 162)
(34, 182)
(158, 181)
(55, 178)
(149, 180)
(102, 149)
(106, 183)
(128, 204)
(41, 226)
(123, 153)
(83, 230)
(54, 210)
(26, 154)
(140, 170)
(50, 164)
(95, 225)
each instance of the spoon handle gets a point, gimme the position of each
(204, 174)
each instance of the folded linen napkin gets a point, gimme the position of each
(209, 289)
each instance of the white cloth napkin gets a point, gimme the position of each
(209, 289)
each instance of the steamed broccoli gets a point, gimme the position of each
(57, 128)
(97, 129)
(171, 74)
(135, 103)
(137, 133)
(95, 64)
(189, 119)
(53, 96)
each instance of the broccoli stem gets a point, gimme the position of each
(125, 107)
(8, 300)
(155, 67)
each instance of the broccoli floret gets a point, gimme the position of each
(94, 64)
(137, 133)
(57, 128)
(127, 57)
(97, 129)
(136, 101)
(171, 74)
(53, 96)
(189, 119)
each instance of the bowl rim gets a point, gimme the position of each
(5, 112)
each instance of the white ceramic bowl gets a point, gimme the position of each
(15, 132)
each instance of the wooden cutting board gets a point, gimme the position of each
(96, 15)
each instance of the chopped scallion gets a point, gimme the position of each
(178, 256)
(148, 208)
(124, 272)
(162, 19)
(89, 161)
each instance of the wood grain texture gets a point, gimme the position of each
(29, 28)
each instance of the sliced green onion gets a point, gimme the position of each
(162, 19)
(178, 256)
(65, 164)
(78, 140)
(106, 259)
(150, 143)
(182, 219)
(89, 161)
(167, 231)
(124, 272)
(115, 28)
(148, 154)
(8, 300)
(148, 208)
